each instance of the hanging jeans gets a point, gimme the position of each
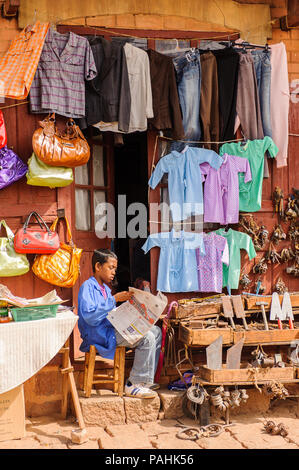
(227, 67)
(209, 100)
(262, 64)
(188, 75)
(147, 353)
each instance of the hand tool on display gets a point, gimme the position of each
(162, 350)
(286, 309)
(239, 309)
(233, 355)
(275, 310)
(262, 305)
(293, 353)
(214, 354)
(228, 310)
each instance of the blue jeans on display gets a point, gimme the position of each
(188, 74)
(262, 64)
(147, 352)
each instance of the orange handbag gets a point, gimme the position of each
(63, 267)
(69, 149)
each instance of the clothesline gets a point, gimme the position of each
(186, 142)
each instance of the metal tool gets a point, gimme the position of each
(228, 310)
(233, 355)
(275, 311)
(214, 354)
(239, 309)
(262, 305)
(293, 353)
(286, 309)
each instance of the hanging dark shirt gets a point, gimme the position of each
(166, 105)
(108, 96)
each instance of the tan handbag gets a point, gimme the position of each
(68, 149)
(63, 267)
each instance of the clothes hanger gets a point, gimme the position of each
(30, 26)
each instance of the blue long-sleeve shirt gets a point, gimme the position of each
(93, 325)
(184, 179)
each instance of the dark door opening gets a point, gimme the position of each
(131, 181)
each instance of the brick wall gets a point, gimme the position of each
(290, 38)
(8, 31)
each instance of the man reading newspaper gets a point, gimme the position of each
(95, 301)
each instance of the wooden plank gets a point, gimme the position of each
(263, 336)
(250, 301)
(204, 337)
(245, 374)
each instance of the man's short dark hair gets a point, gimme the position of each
(101, 256)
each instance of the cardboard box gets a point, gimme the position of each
(12, 414)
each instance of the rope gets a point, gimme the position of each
(13, 105)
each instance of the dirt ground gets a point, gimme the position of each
(247, 432)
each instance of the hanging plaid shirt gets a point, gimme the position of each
(59, 83)
(18, 65)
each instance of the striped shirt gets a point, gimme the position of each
(19, 64)
(59, 83)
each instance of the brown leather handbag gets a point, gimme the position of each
(68, 149)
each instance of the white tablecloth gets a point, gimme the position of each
(26, 347)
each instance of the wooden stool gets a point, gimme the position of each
(117, 379)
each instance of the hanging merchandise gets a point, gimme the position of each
(40, 174)
(250, 194)
(58, 86)
(209, 100)
(3, 135)
(248, 102)
(68, 149)
(227, 67)
(209, 266)
(61, 268)
(19, 63)
(188, 76)
(108, 96)
(177, 271)
(140, 90)
(11, 263)
(221, 189)
(12, 168)
(280, 101)
(166, 105)
(36, 239)
(184, 179)
(236, 241)
(278, 201)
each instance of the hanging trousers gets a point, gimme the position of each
(227, 68)
(280, 101)
(209, 100)
(262, 64)
(248, 103)
(188, 76)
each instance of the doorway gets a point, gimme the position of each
(131, 184)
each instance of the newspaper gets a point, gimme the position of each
(7, 298)
(135, 317)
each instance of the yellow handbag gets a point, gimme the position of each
(62, 268)
(11, 263)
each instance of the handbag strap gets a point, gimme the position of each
(69, 233)
(76, 129)
(9, 232)
(39, 220)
